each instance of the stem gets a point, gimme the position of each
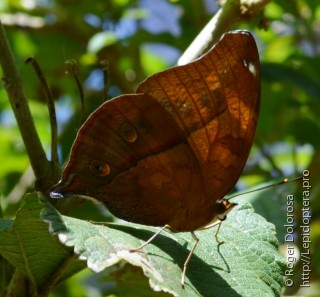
(106, 79)
(52, 112)
(231, 13)
(56, 277)
(45, 176)
(73, 64)
(13, 85)
(18, 286)
(266, 155)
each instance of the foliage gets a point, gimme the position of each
(248, 254)
(139, 38)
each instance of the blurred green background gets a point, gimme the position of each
(139, 38)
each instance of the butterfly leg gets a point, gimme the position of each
(185, 265)
(221, 219)
(216, 234)
(150, 239)
(226, 208)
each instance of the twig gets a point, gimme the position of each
(73, 64)
(267, 156)
(45, 174)
(52, 112)
(105, 69)
(232, 12)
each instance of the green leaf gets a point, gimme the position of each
(277, 72)
(6, 272)
(272, 204)
(101, 40)
(246, 264)
(30, 248)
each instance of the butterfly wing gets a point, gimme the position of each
(215, 101)
(166, 154)
(131, 155)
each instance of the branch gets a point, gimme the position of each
(50, 102)
(231, 13)
(46, 172)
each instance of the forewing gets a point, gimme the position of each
(215, 101)
(115, 138)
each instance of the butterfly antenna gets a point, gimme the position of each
(284, 181)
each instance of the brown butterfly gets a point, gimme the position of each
(167, 155)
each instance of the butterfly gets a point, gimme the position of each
(168, 154)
